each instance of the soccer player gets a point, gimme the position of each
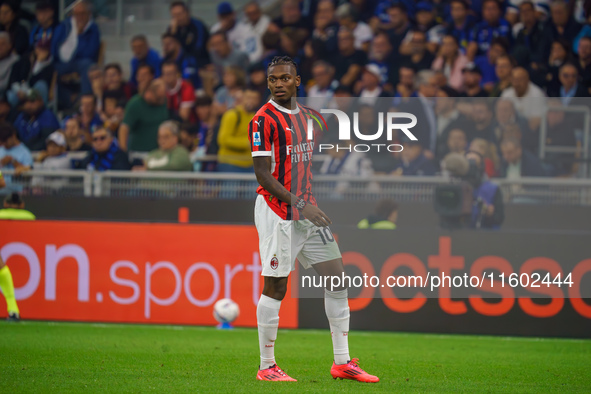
(289, 222)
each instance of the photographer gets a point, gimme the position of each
(470, 201)
(487, 210)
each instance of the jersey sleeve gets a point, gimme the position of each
(260, 134)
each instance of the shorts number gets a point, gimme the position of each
(327, 236)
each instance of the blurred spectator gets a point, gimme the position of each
(425, 21)
(584, 63)
(186, 62)
(89, 116)
(13, 68)
(448, 119)
(234, 81)
(322, 90)
(46, 23)
(115, 84)
(9, 22)
(234, 145)
(105, 154)
(349, 62)
(74, 138)
(145, 74)
(498, 47)
(512, 124)
(492, 26)
(170, 155)
(503, 69)
(39, 75)
(406, 83)
(324, 35)
(371, 85)
(546, 74)
(457, 141)
(382, 55)
(472, 81)
(384, 217)
(76, 43)
(257, 75)
(227, 24)
(271, 42)
(251, 31)
(143, 54)
(569, 87)
(292, 45)
(113, 111)
(528, 98)
(206, 134)
(36, 122)
(424, 109)
(54, 157)
(519, 163)
(96, 76)
(143, 114)
(189, 138)
(223, 55)
(561, 133)
(7, 113)
(342, 159)
(488, 151)
(14, 155)
(348, 19)
(461, 24)
(488, 210)
(399, 25)
(484, 120)
(191, 33)
(413, 162)
(291, 17)
(414, 49)
(451, 61)
(180, 93)
(560, 25)
(529, 46)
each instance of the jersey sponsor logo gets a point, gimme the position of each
(274, 263)
(256, 139)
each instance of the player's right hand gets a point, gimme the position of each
(316, 216)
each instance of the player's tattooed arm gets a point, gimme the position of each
(262, 169)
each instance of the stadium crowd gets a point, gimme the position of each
(490, 64)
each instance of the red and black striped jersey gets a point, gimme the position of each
(282, 134)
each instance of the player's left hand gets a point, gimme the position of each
(316, 216)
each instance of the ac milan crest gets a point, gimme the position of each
(274, 263)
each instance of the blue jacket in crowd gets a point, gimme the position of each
(88, 42)
(153, 59)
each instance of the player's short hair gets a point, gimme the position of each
(283, 61)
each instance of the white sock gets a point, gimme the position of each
(267, 321)
(336, 306)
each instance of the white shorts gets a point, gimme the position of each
(281, 241)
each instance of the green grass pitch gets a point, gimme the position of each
(77, 357)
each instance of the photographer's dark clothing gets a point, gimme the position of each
(487, 193)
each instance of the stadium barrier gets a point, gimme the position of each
(195, 185)
(173, 274)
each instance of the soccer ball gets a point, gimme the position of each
(226, 310)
